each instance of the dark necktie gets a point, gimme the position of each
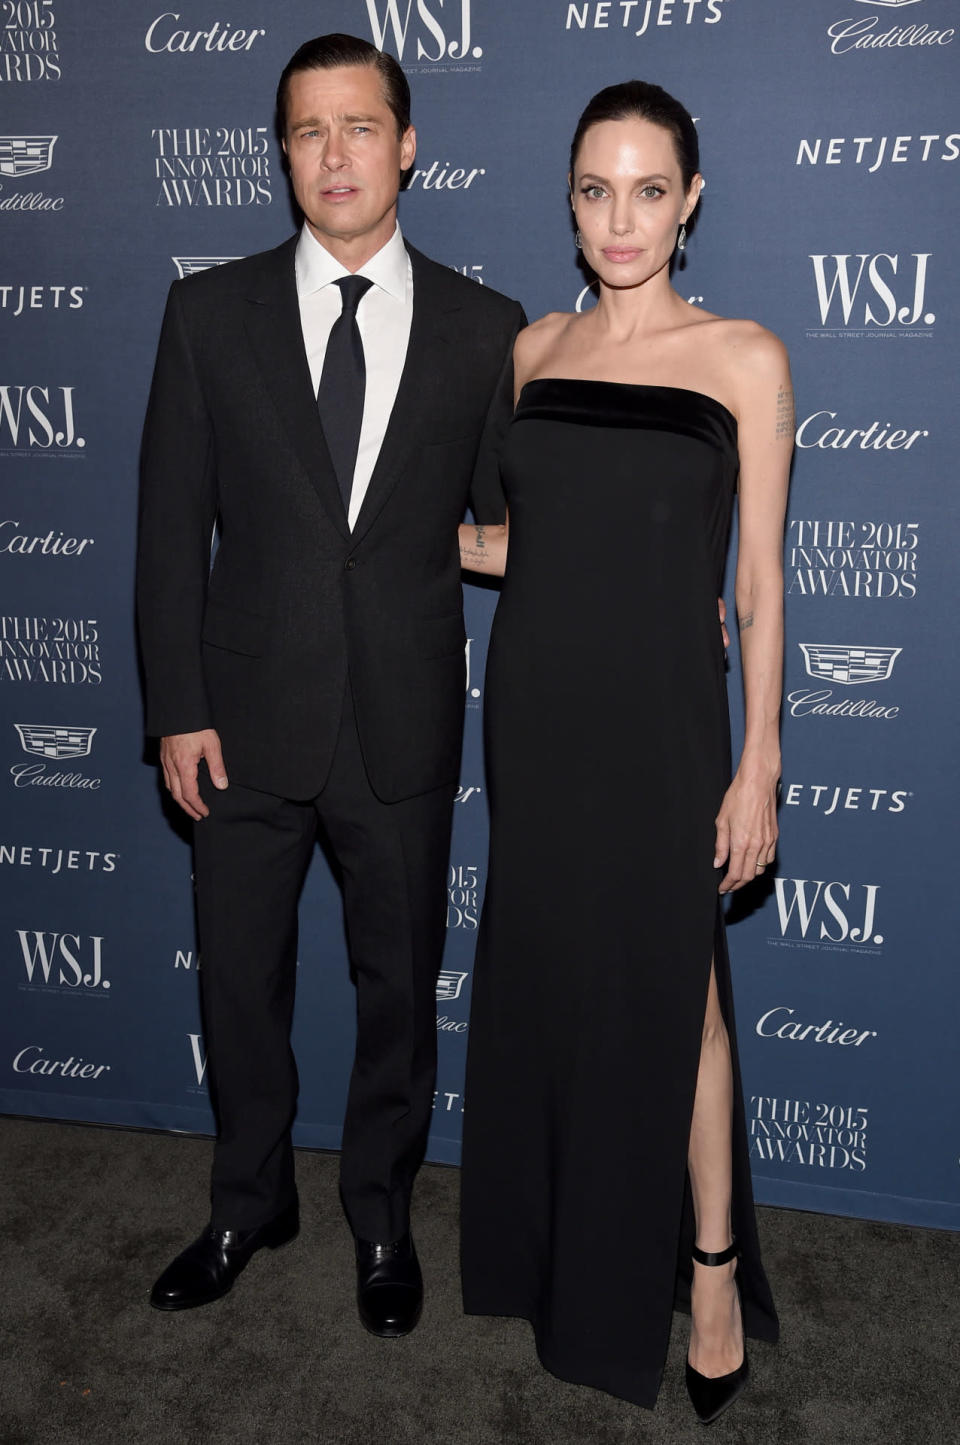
(342, 385)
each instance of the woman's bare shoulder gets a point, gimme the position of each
(535, 342)
(746, 345)
(540, 333)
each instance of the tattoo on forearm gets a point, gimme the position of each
(476, 554)
(785, 417)
(746, 622)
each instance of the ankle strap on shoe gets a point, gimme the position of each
(702, 1256)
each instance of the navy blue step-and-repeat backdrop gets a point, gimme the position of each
(137, 146)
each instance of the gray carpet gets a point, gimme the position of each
(870, 1315)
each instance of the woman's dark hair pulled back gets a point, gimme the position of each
(640, 100)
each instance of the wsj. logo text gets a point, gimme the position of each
(473, 692)
(62, 958)
(870, 293)
(435, 40)
(199, 1055)
(814, 913)
(38, 417)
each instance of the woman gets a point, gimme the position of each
(605, 1173)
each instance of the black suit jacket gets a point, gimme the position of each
(259, 647)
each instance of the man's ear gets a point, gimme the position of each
(408, 148)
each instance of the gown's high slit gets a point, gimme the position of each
(608, 756)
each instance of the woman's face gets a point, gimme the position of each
(629, 199)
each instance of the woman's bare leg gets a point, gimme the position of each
(716, 1335)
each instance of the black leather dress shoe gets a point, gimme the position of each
(207, 1268)
(389, 1287)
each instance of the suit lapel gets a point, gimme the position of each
(273, 327)
(419, 394)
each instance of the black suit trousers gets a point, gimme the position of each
(251, 855)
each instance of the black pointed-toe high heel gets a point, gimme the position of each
(711, 1397)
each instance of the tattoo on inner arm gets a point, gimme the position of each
(477, 553)
(785, 416)
(746, 622)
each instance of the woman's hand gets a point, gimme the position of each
(747, 829)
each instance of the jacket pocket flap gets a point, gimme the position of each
(234, 629)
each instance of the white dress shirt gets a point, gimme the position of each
(383, 316)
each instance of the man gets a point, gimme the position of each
(333, 402)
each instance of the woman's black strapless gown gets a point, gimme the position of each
(608, 756)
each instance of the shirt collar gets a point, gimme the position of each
(316, 267)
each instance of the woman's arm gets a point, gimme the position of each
(747, 822)
(483, 548)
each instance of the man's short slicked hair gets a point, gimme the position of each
(328, 52)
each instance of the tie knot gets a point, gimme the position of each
(353, 289)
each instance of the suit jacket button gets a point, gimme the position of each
(349, 565)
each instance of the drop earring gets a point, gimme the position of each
(578, 239)
(682, 238)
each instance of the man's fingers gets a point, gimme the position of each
(214, 756)
(180, 757)
(190, 799)
(190, 812)
(184, 790)
(722, 610)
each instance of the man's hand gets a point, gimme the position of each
(722, 609)
(180, 756)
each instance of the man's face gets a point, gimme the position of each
(346, 158)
